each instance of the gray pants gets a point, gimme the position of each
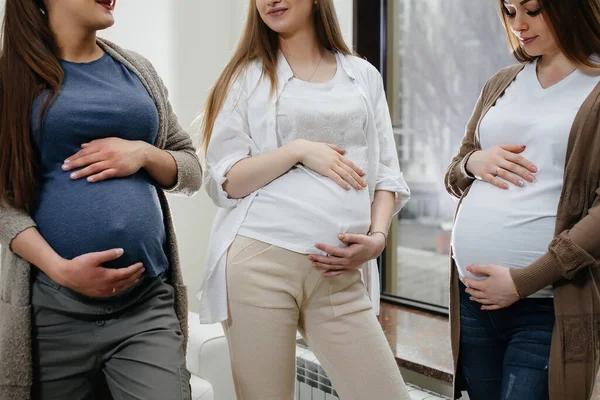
(128, 347)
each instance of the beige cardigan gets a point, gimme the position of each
(15, 308)
(571, 263)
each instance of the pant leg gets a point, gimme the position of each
(145, 358)
(528, 351)
(342, 330)
(263, 319)
(66, 365)
(481, 351)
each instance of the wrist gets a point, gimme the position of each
(465, 165)
(57, 270)
(297, 150)
(380, 237)
(145, 153)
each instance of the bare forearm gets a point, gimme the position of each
(32, 247)
(382, 210)
(253, 173)
(161, 166)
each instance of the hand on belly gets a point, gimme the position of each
(86, 275)
(107, 158)
(497, 290)
(361, 249)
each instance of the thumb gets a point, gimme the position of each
(351, 238)
(513, 148)
(338, 149)
(103, 256)
(479, 269)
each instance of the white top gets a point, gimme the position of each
(514, 227)
(302, 208)
(247, 126)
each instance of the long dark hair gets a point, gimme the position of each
(28, 66)
(574, 24)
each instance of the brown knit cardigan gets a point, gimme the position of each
(572, 260)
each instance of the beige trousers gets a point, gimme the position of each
(272, 293)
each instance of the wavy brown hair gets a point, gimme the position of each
(258, 41)
(28, 66)
(575, 25)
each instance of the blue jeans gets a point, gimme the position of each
(504, 354)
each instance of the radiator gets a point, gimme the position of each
(312, 382)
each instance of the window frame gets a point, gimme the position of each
(370, 35)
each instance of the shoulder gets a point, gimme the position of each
(362, 66)
(138, 61)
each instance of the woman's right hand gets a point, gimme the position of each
(503, 162)
(86, 275)
(328, 160)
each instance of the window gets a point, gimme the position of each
(439, 55)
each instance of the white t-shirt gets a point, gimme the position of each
(301, 207)
(514, 227)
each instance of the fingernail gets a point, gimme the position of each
(65, 167)
(521, 182)
(341, 236)
(90, 179)
(73, 175)
(67, 161)
(314, 265)
(310, 258)
(505, 186)
(531, 178)
(523, 146)
(535, 169)
(348, 187)
(472, 299)
(119, 252)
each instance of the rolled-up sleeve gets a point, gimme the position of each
(389, 175)
(230, 143)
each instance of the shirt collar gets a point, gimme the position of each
(285, 73)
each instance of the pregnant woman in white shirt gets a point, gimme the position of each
(510, 213)
(301, 160)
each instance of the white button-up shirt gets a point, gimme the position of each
(247, 127)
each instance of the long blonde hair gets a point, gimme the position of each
(258, 41)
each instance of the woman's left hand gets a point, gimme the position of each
(107, 158)
(362, 248)
(494, 292)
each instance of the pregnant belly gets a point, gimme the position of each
(302, 208)
(490, 230)
(78, 218)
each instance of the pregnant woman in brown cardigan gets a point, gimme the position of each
(525, 283)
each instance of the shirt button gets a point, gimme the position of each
(100, 322)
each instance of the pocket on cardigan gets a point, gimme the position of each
(15, 345)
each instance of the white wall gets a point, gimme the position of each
(189, 42)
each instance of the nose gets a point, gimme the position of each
(271, 3)
(519, 24)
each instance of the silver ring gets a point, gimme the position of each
(497, 171)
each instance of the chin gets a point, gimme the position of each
(104, 23)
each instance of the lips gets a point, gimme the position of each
(528, 40)
(277, 11)
(108, 4)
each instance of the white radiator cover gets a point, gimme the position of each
(312, 382)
